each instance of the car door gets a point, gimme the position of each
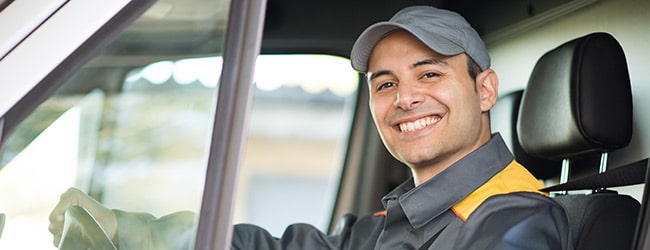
(56, 92)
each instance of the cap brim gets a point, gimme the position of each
(367, 41)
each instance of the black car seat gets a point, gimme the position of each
(578, 102)
(503, 119)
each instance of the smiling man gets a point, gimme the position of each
(428, 109)
(431, 90)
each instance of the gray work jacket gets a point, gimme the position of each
(484, 201)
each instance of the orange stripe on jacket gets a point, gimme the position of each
(513, 178)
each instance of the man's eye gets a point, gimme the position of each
(385, 85)
(430, 75)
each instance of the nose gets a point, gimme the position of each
(408, 97)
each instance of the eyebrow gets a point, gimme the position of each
(434, 61)
(428, 61)
(373, 75)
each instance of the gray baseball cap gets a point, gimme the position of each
(445, 32)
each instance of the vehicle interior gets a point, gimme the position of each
(165, 106)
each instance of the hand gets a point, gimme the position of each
(74, 197)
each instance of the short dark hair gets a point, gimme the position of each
(472, 68)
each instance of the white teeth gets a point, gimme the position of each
(418, 124)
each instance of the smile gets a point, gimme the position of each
(418, 124)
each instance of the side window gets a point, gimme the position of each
(123, 129)
(143, 147)
(301, 117)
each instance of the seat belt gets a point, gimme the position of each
(630, 174)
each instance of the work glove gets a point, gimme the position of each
(75, 197)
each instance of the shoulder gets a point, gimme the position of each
(519, 220)
(513, 179)
(520, 202)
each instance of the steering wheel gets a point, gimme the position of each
(81, 231)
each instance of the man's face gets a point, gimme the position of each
(425, 105)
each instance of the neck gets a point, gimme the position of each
(423, 173)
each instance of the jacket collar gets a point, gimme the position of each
(429, 200)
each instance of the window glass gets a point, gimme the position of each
(132, 129)
(301, 117)
(125, 129)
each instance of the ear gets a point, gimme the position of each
(487, 85)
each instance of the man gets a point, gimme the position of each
(431, 89)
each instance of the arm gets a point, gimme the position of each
(144, 231)
(351, 233)
(295, 237)
(130, 230)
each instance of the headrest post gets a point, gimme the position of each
(564, 175)
(603, 162)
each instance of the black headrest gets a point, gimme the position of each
(503, 119)
(578, 100)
